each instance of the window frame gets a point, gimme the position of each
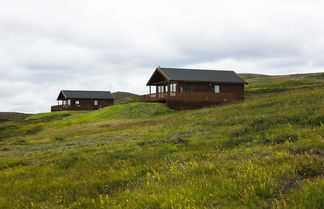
(161, 89)
(173, 87)
(218, 89)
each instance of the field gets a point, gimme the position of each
(267, 152)
(125, 97)
(6, 116)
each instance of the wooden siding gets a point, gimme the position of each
(197, 87)
(209, 87)
(237, 89)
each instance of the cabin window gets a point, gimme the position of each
(161, 89)
(77, 102)
(69, 102)
(217, 88)
(95, 102)
(173, 87)
(186, 87)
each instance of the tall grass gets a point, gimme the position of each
(264, 153)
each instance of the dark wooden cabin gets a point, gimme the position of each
(83, 100)
(193, 88)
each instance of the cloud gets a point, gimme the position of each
(46, 46)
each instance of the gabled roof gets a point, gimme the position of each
(72, 94)
(198, 75)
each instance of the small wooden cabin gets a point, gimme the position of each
(83, 100)
(194, 88)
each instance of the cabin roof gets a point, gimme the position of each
(77, 94)
(199, 75)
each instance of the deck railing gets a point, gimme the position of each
(74, 107)
(59, 107)
(189, 96)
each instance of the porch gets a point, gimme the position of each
(64, 107)
(64, 104)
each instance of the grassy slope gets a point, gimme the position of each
(264, 153)
(6, 116)
(125, 97)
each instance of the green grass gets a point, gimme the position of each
(125, 97)
(130, 111)
(316, 76)
(49, 116)
(6, 116)
(264, 153)
(261, 84)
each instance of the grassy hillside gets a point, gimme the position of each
(125, 97)
(6, 116)
(260, 84)
(264, 153)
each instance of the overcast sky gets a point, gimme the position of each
(49, 45)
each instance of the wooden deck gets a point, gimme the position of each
(73, 107)
(61, 107)
(189, 97)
